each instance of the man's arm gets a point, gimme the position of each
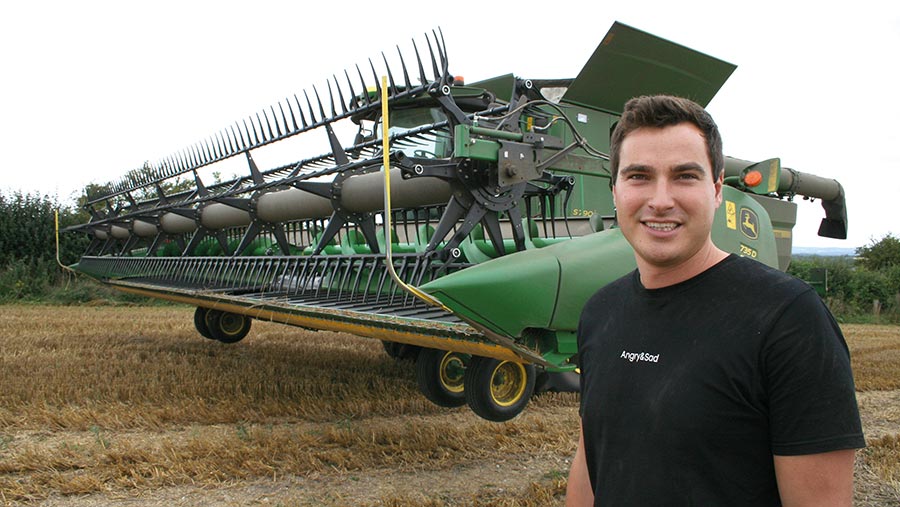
(578, 488)
(824, 479)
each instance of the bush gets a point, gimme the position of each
(853, 286)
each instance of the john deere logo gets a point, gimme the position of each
(749, 223)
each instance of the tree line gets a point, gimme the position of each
(862, 285)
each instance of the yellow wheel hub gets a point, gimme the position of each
(508, 383)
(453, 370)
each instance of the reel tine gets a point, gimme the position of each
(419, 60)
(255, 134)
(293, 118)
(312, 116)
(331, 98)
(275, 119)
(186, 155)
(198, 154)
(284, 117)
(209, 151)
(223, 147)
(238, 141)
(245, 134)
(441, 54)
(319, 100)
(267, 128)
(300, 109)
(214, 145)
(405, 72)
(340, 96)
(392, 89)
(377, 81)
(352, 92)
(365, 90)
(434, 65)
(446, 60)
(250, 141)
(262, 129)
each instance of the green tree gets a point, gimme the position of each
(880, 254)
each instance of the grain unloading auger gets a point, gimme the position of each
(501, 222)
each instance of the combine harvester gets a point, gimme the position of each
(498, 205)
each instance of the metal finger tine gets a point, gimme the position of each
(293, 118)
(442, 55)
(331, 98)
(352, 92)
(377, 81)
(392, 89)
(340, 96)
(419, 61)
(239, 143)
(319, 100)
(255, 133)
(194, 159)
(275, 119)
(208, 152)
(405, 72)
(300, 110)
(365, 89)
(312, 116)
(263, 128)
(220, 145)
(283, 118)
(247, 132)
(434, 65)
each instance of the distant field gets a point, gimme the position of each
(109, 405)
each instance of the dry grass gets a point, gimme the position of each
(130, 402)
(875, 352)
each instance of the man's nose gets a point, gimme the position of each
(661, 196)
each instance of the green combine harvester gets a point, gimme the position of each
(496, 226)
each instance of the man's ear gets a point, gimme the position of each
(720, 181)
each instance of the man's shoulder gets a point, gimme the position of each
(753, 274)
(615, 289)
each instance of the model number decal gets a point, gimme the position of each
(746, 251)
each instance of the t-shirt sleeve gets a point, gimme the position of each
(809, 382)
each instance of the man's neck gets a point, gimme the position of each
(657, 277)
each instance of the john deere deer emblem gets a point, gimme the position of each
(749, 223)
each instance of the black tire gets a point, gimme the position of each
(200, 316)
(228, 327)
(400, 350)
(441, 376)
(498, 390)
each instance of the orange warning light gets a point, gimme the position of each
(753, 178)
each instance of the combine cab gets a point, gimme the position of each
(464, 225)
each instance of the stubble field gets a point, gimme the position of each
(129, 406)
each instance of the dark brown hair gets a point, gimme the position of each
(659, 111)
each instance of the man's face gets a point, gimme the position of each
(665, 196)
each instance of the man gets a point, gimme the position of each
(707, 378)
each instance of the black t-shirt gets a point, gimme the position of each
(688, 390)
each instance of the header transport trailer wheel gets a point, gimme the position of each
(201, 322)
(441, 376)
(223, 326)
(498, 390)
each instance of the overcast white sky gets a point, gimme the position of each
(92, 89)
